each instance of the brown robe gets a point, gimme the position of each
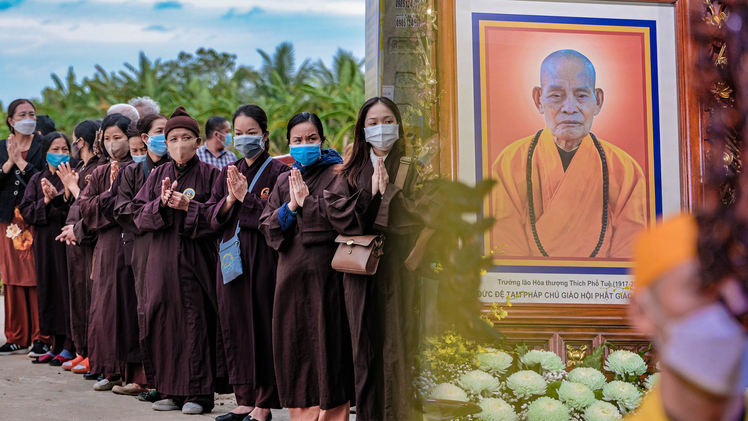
(311, 338)
(110, 274)
(245, 305)
(137, 244)
(382, 309)
(50, 256)
(180, 306)
(79, 274)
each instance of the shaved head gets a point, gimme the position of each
(567, 97)
(560, 58)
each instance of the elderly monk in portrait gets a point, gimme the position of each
(563, 192)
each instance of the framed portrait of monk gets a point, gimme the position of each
(572, 107)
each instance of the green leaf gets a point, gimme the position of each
(595, 359)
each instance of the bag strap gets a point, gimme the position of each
(254, 181)
(402, 172)
(259, 173)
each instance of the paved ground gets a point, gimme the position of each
(30, 392)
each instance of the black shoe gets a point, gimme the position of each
(150, 396)
(92, 376)
(251, 418)
(39, 349)
(10, 349)
(233, 417)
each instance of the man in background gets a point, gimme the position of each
(218, 138)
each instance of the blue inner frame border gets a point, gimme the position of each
(652, 25)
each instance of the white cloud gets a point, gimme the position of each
(21, 34)
(332, 7)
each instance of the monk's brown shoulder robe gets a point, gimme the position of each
(382, 309)
(245, 305)
(51, 260)
(311, 338)
(110, 273)
(180, 305)
(136, 246)
(79, 274)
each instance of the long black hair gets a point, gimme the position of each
(86, 130)
(111, 120)
(49, 139)
(12, 110)
(360, 157)
(303, 118)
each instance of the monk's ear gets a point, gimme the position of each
(537, 92)
(600, 97)
(199, 141)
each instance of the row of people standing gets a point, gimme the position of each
(161, 310)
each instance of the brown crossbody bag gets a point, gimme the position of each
(360, 254)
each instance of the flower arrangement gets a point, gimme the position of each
(514, 383)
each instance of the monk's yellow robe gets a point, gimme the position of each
(653, 410)
(568, 205)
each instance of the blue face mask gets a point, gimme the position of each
(157, 144)
(57, 159)
(227, 140)
(306, 155)
(139, 158)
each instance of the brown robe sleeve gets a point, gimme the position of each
(32, 207)
(400, 209)
(351, 214)
(128, 185)
(269, 223)
(148, 214)
(197, 221)
(96, 202)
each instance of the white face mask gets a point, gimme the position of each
(25, 126)
(382, 136)
(706, 347)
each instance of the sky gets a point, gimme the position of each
(41, 37)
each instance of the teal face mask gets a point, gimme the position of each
(139, 158)
(157, 144)
(57, 159)
(227, 140)
(306, 155)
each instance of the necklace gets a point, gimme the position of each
(530, 199)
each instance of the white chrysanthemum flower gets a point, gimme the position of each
(626, 395)
(576, 395)
(624, 362)
(547, 360)
(602, 411)
(652, 381)
(594, 379)
(494, 362)
(448, 392)
(547, 409)
(526, 383)
(477, 381)
(496, 410)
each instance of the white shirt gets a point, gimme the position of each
(375, 158)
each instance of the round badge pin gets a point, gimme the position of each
(189, 193)
(88, 178)
(265, 193)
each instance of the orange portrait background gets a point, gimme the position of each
(512, 67)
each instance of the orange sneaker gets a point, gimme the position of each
(82, 367)
(72, 363)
